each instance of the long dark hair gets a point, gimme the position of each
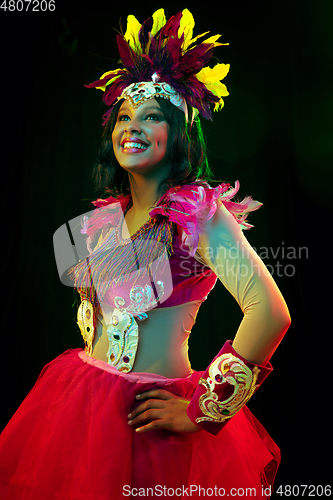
(188, 155)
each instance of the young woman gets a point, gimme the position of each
(128, 416)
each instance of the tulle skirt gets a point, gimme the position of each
(70, 440)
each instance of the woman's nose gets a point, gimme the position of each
(133, 126)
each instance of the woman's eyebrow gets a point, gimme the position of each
(128, 109)
(154, 108)
(125, 108)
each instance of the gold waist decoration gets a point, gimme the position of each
(85, 320)
(121, 326)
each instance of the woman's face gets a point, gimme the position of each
(140, 138)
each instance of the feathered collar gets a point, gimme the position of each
(189, 206)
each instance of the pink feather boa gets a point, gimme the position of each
(189, 206)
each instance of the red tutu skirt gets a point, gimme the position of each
(70, 440)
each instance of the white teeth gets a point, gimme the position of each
(136, 145)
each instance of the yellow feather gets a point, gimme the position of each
(210, 75)
(186, 26)
(218, 89)
(219, 105)
(159, 21)
(114, 72)
(132, 32)
(212, 39)
(187, 43)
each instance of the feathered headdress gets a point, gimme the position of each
(161, 59)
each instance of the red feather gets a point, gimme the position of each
(126, 53)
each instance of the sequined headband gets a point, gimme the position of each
(161, 59)
(138, 93)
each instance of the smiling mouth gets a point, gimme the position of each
(134, 146)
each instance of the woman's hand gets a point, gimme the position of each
(161, 410)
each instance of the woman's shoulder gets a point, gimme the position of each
(192, 205)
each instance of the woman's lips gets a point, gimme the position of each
(134, 147)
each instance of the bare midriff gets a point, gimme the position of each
(163, 341)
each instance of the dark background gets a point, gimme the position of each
(274, 135)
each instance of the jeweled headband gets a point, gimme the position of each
(161, 59)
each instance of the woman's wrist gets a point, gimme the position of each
(225, 387)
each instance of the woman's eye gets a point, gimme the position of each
(152, 117)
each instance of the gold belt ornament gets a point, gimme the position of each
(123, 335)
(121, 326)
(85, 320)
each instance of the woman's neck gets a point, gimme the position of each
(145, 193)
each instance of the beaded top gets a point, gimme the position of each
(162, 250)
